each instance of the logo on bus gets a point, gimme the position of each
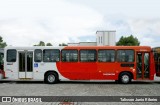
(35, 64)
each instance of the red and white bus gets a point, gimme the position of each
(53, 64)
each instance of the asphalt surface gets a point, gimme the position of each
(109, 88)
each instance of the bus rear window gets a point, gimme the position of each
(11, 55)
(125, 56)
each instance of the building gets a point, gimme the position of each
(106, 38)
(103, 38)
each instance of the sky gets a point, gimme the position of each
(26, 22)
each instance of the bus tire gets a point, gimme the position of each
(51, 78)
(125, 78)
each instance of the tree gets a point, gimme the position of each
(2, 44)
(128, 41)
(63, 44)
(48, 44)
(41, 43)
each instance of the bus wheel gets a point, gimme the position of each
(125, 78)
(51, 78)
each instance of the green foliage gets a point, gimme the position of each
(48, 44)
(2, 44)
(128, 41)
(41, 43)
(63, 44)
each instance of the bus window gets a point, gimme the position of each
(106, 55)
(146, 65)
(125, 56)
(51, 55)
(38, 55)
(87, 55)
(11, 55)
(69, 55)
(1, 58)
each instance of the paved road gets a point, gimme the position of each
(109, 88)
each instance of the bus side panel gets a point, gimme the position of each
(105, 71)
(10, 68)
(125, 67)
(93, 71)
(76, 70)
(41, 68)
(152, 66)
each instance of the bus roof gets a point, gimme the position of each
(82, 47)
(34, 47)
(140, 48)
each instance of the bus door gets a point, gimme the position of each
(25, 64)
(157, 63)
(143, 65)
(157, 60)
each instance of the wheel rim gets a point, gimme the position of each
(51, 78)
(125, 78)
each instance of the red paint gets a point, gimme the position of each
(2, 72)
(97, 70)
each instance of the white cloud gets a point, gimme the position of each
(137, 17)
(26, 22)
(132, 8)
(145, 26)
(146, 30)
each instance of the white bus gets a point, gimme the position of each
(32, 63)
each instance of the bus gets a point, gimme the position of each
(156, 52)
(1, 63)
(74, 63)
(1, 57)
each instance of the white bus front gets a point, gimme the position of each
(18, 64)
